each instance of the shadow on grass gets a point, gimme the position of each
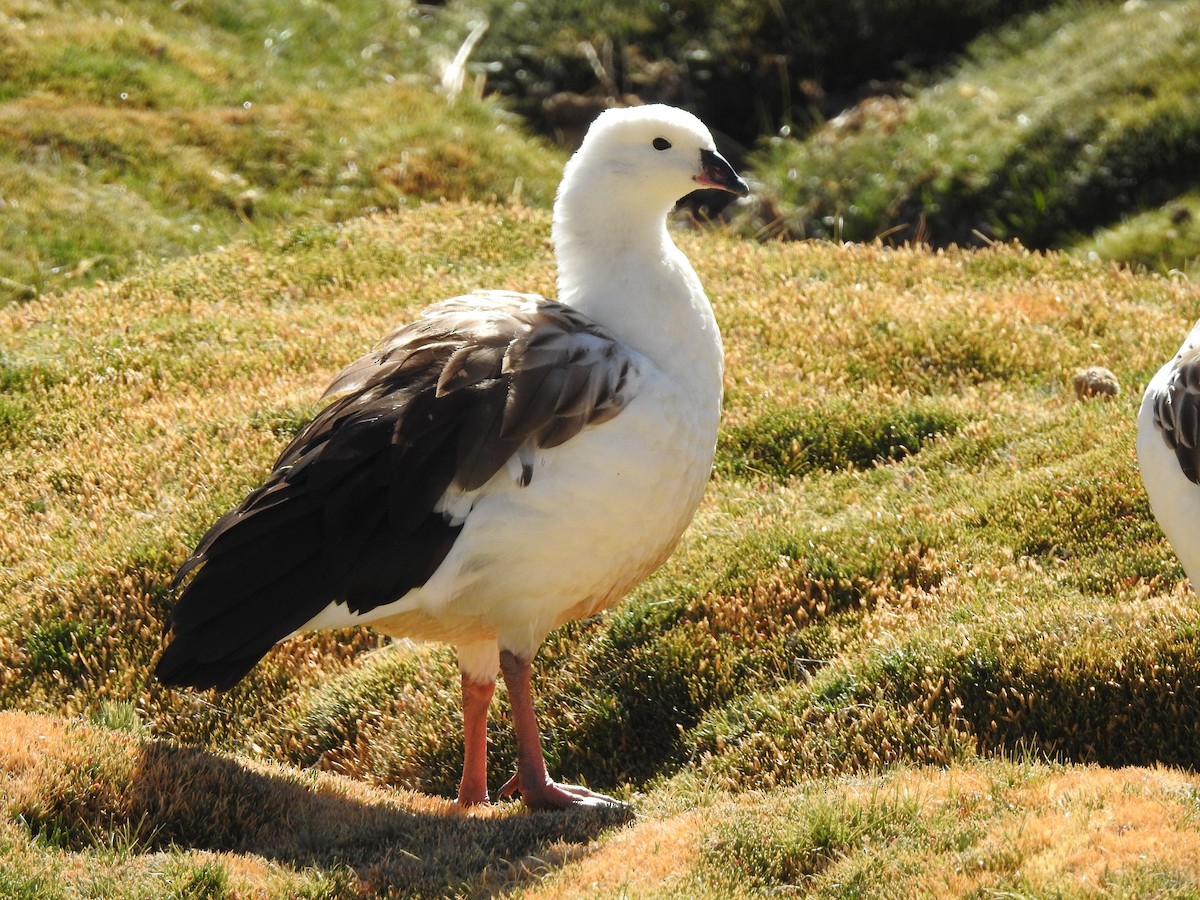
(190, 798)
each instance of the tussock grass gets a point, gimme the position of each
(935, 833)
(1159, 239)
(995, 827)
(920, 556)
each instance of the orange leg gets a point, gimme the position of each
(532, 781)
(476, 697)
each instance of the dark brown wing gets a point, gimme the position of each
(1177, 412)
(350, 513)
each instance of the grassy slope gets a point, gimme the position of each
(920, 556)
(921, 568)
(1050, 132)
(138, 130)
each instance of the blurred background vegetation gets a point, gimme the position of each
(1057, 124)
(135, 131)
(750, 68)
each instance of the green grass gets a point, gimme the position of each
(1162, 239)
(923, 638)
(135, 131)
(918, 550)
(1049, 132)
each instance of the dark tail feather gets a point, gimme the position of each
(348, 515)
(179, 667)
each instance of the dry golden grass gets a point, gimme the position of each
(659, 855)
(979, 830)
(1072, 832)
(76, 787)
(1081, 828)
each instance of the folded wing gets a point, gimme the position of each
(352, 511)
(1177, 413)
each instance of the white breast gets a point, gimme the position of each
(600, 513)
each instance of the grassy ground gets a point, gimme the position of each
(134, 130)
(923, 638)
(924, 635)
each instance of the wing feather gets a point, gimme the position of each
(1177, 413)
(351, 511)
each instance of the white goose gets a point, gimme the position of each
(1168, 448)
(498, 467)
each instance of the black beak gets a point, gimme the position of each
(715, 172)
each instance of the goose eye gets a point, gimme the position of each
(662, 144)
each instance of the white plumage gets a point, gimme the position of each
(501, 466)
(1168, 448)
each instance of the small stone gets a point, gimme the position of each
(1096, 381)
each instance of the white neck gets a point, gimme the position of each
(618, 265)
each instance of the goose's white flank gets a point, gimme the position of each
(1168, 448)
(500, 466)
